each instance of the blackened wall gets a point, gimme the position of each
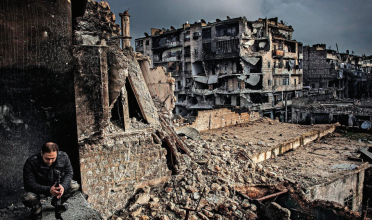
(36, 80)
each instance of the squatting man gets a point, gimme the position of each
(39, 177)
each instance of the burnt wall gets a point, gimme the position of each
(36, 86)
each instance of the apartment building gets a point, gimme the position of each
(233, 63)
(344, 74)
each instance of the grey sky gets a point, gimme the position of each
(345, 22)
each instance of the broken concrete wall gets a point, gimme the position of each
(36, 86)
(351, 195)
(116, 117)
(161, 86)
(212, 119)
(293, 143)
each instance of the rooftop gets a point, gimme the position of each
(260, 136)
(321, 161)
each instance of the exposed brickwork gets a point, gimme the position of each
(117, 120)
(112, 168)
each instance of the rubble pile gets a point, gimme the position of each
(213, 184)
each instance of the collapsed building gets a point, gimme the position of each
(276, 174)
(325, 109)
(228, 63)
(74, 84)
(329, 71)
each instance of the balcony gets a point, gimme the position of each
(278, 53)
(167, 44)
(280, 88)
(297, 72)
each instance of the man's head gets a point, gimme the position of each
(49, 152)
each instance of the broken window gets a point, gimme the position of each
(295, 82)
(147, 42)
(227, 30)
(206, 33)
(196, 35)
(194, 100)
(268, 64)
(227, 100)
(169, 40)
(269, 82)
(158, 57)
(285, 81)
(227, 46)
(187, 51)
(348, 202)
(139, 43)
(258, 98)
(207, 47)
(187, 36)
(291, 46)
(178, 85)
(181, 97)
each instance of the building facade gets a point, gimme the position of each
(344, 74)
(228, 63)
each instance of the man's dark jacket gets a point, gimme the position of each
(39, 178)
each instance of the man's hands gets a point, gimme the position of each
(57, 191)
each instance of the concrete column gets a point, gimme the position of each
(125, 29)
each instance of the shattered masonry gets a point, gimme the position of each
(132, 162)
(119, 130)
(234, 62)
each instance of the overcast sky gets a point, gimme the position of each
(345, 22)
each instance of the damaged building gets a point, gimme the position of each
(68, 75)
(228, 63)
(328, 71)
(75, 80)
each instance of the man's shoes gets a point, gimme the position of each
(62, 208)
(36, 212)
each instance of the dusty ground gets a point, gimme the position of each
(315, 163)
(79, 209)
(258, 136)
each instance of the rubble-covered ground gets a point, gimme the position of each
(258, 136)
(207, 187)
(79, 209)
(221, 182)
(321, 161)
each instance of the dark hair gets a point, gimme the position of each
(49, 147)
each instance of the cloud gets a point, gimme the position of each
(344, 22)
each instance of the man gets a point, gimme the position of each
(39, 177)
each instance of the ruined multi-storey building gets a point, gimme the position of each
(228, 63)
(327, 70)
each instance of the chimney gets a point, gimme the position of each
(125, 29)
